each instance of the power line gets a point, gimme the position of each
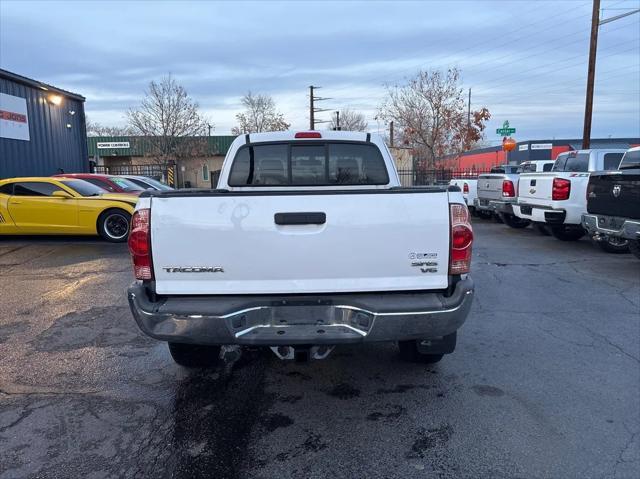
(493, 41)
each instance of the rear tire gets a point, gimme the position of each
(114, 225)
(485, 215)
(513, 221)
(194, 355)
(567, 232)
(543, 229)
(634, 247)
(617, 246)
(496, 218)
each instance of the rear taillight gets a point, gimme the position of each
(508, 190)
(140, 244)
(465, 188)
(561, 189)
(461, 240)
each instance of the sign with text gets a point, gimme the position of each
(541, 146)
(14, 121)
(506, 130)
(523, 147)
(103, 145)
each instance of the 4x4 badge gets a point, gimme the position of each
(617, 189)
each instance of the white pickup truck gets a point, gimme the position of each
(469, 187)
(559, 198)
(498, 191)
(308, 242)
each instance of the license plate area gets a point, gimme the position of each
(526, 210)
(610, 223)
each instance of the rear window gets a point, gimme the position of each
(100, 184)
(547, 167)
(631, 159)
(310, 164)
(573, 163)
(612, 160)
(528, 168)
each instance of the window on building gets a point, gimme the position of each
(205, 172)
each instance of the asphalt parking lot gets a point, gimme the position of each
(545, 382)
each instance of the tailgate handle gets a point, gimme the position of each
(300, 218)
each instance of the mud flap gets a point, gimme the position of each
(443, 345)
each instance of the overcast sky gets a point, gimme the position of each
(525, 60)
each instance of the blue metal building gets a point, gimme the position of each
(42, 128)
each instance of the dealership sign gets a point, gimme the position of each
(541, 146)
(14, 121)
(102, 145)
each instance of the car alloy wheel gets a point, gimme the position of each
(116, 226)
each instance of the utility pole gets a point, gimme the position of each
(209, 127)
(591, 75)
(338, 120)
(469, 110)
(312, 108)
(312, 123)
(591, 72)
(391, 133)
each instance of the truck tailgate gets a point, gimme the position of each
(536, 188)
(490, 186)
(229, 243)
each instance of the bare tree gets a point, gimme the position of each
(431, 115)
(349, 121)
(260, 115)
(97, 129)
(170, 121)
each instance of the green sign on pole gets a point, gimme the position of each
(505, 130)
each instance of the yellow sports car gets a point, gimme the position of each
(59, 206)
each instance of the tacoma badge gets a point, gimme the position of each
(193, 269)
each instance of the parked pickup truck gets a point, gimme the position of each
(308, 242)
(498, 191)
(469, 189)
(613, 205)
(500, 183)
(559, 197)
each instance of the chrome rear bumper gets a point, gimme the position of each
(611, 226)
(301, 319)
